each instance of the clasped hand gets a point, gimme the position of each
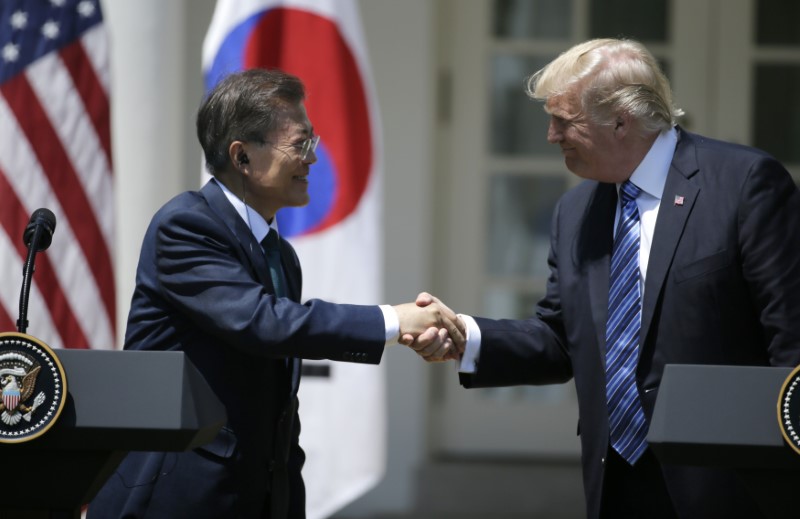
(430, 328)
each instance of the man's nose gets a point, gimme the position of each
(311, 158)
(554, 133)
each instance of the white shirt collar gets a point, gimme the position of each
(258, 226)
(651, 174)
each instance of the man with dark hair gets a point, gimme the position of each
(216, 281)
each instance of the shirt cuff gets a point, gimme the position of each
(392, 324)
(469, 360)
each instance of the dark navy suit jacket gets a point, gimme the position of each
(203, 287)
(722, 287)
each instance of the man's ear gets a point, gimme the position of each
(237, 155)
(622, 125)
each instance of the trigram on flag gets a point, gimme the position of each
(338, 235)
(55, 152)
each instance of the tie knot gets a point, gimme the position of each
(270, 241)
(629, 191)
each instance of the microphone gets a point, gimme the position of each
(37, 237)
(45, 221)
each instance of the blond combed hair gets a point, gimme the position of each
(611, 76)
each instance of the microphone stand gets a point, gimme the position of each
(27, 277)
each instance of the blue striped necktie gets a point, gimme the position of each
(627, 424)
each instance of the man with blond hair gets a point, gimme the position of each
(675, 249)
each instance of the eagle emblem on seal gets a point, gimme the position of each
(18, 373)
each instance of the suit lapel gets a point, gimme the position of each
(247, 242)
(677, 202)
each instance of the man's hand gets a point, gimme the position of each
(431, 329)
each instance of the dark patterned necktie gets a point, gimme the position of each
(271, 246)
(627, 424)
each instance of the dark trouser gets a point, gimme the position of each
(635, 491)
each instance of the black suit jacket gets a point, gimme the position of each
(722, 287)
(203, 287)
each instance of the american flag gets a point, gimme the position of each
(55, 152)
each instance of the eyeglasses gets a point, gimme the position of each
(307, 147)
(304, 149)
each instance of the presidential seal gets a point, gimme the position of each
(789, 410)
(33, 385)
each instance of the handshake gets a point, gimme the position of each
(431, 329)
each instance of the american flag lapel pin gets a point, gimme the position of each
(678, 200)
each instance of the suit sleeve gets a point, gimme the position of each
(769, 240)
(205, 273)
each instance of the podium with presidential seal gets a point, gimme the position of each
(67, 419)
(745, 418)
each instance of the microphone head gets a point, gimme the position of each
(47, 220)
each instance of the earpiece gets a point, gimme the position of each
(243, 159)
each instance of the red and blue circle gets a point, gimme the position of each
(311, 47)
